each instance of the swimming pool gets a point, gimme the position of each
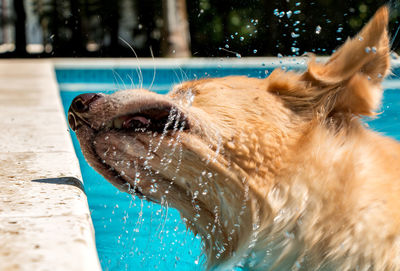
(136, 235)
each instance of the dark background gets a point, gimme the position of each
(218, 28)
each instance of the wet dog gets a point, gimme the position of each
(274, 174)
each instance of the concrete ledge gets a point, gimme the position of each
(45, 221)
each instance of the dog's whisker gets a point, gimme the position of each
(184, 76)
(178, 78)
(132, 83)
(140, 75)
(118, 78)
(154, 69)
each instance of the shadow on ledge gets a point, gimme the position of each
(63, 180)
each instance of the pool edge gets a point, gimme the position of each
(45, 220)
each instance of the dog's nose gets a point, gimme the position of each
(80, 105)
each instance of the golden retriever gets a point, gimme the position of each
(274, 174)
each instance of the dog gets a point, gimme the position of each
(274, 174)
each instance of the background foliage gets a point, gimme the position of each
(218, 28)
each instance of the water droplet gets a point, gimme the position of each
(298, 4)
(318, 30)
(297, 12)
(360, 38)
(201, 11)
(373, 49)
(254, 51)
(339, 30)
(226, 46)
(367, 50)
(241, 39)
(279, 55)
(289, 13)
(338, 38)
(281, 14)
(294, 35)
(153, 188)
(289, 235)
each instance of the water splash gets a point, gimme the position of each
(318, 30)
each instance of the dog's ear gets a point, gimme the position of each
(355, 71)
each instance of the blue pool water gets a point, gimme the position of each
(136, 235)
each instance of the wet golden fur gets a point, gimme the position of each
(292, 179)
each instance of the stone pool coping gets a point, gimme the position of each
(45, 222)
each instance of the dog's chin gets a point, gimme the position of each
(127, 160)
(87, 139)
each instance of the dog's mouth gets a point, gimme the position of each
(156, 120)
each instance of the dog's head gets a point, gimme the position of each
(213, 148)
